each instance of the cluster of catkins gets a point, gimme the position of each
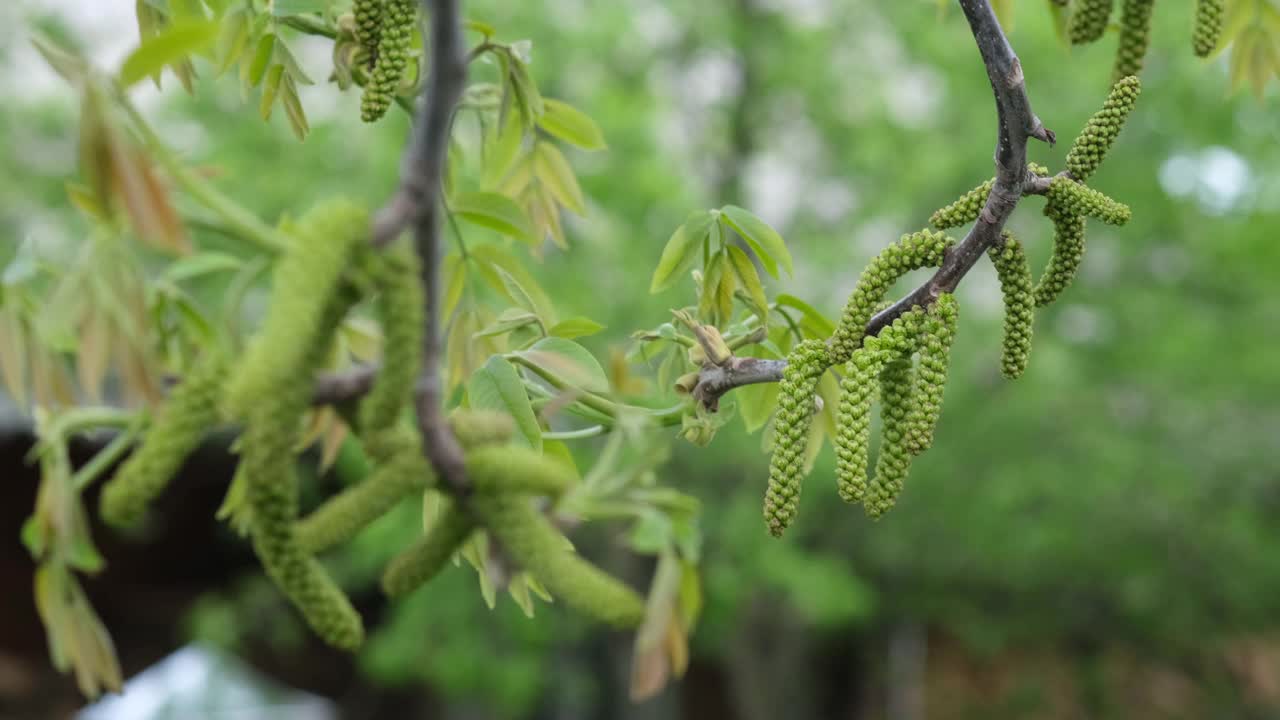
(1089, 19)
(905, 365)
(326, 271)
(384, 31)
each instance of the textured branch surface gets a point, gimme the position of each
(416, 206)
(1017, 124)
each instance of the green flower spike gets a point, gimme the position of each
(1208, 27)
(392, 59)
(1091, 146)
(1089, 20)
(805, 365)
(190, 411)
(1135, 34)
(1019, 305)
(937, 333)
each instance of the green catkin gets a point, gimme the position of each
(1091, 146)
(1019, 305)
(1208, 27)
(896, 403)
(344, 515)
(858, 389)
(937, 333)
(1135, 34)
(399, 308)
(529, 538)
(368, 21)
(1068, 253)
(1089, 20)
(427, 556)
(272, 390)
(391, 58)
(505, 470)
(190, 411)
(806, 363)
(917, 250)
(312, 268)
(964, 210)
(477, 428)
(1077, 199)
(271, 433)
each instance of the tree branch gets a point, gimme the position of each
(1016, 124)
(416, 206)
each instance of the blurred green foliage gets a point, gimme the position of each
(1123, 491)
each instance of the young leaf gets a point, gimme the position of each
(501, 149)
(270, 87)
(571, 125)
(764, 240)
(570, 361)
(575, 327)
(493, 257)
(750, 279)
(293, 108)
(509, 320)
(709, 300)
(455, 280)
(517, 293)
(815, 324)
(173, 44)
(681, 251)
(554, 172)
(496, 212)
(497, 386)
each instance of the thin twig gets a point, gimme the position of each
(416, 206)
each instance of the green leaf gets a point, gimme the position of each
(764, 240)
(232, 40)
(201, 263)
(496, 212)
(571, 125)
(175, 43)
(455, 280)
(516, 292)
(709, 300)
(554, 172)
(492, 257)
(293, 109)
(575, 327)
(270, 87)
(815, 323)
(681, 251)
(282, 8)
(501, 149)
(756, 404)
(750, 279)
(497, 386)
(570, 361)
(509, 320)
(257, 65)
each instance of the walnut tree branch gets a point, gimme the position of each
(1017, 124)
(416, 206)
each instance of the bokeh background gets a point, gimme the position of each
(1098, 539)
